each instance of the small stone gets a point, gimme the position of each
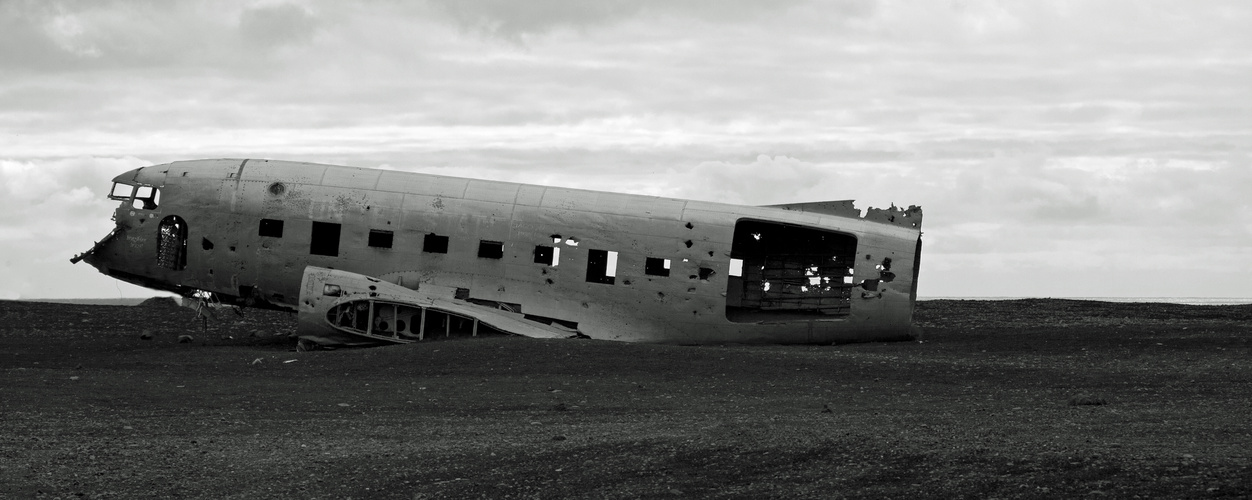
(146, 335)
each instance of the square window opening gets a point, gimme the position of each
(654, 266)
(272, 228)
(380, 238)
(490, 249)
(546, 255)
(601, 266)
(434, 243)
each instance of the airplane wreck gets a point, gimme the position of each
(377, 257)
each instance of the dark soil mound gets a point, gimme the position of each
(159, 302)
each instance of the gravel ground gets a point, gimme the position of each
(1002, 399)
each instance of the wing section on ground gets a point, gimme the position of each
(339, 308)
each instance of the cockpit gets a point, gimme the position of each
(140, 196)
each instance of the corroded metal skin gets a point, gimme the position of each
(605, 265)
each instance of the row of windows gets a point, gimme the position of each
(601, 264)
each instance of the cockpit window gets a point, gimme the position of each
(146, 198)
(140, 197)
(121, 191)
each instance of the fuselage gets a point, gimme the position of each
(618, 266)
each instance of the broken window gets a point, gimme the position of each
(172, 243)
(705, 273)
(146, 198)
(434, 243)
(547, 255)
(601, 266)
(380, 238)
(271, 227)
(490, 249)
(656, 266)
(788, 272)
(325, 240)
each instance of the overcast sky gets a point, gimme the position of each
(1085, 148)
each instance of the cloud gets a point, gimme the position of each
(1039, 137)
(278, 25)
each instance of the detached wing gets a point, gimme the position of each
(349, 309)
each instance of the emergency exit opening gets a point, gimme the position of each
(172, 243)
(789, 272)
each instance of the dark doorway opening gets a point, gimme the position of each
(325, 240)
(172, 243)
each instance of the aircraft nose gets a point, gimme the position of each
(92, 256)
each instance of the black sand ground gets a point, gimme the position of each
(1009, 399)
